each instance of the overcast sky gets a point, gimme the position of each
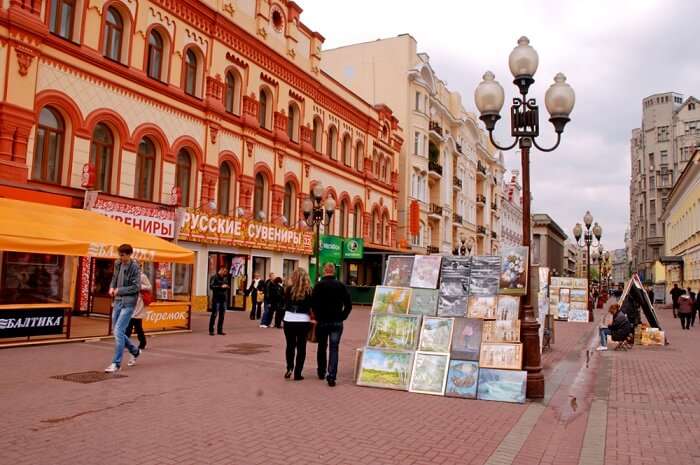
(614, 53)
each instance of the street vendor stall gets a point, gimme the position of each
(39, 250)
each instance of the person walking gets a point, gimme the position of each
(676, 292)
(696, 305)
(685, 309)
(693, 298)
(275, 296)
(255, 292)
(297, 321)
(124, 288)
(266, 301)
(605, 323)
(136, 322)
(219, 287)
(332, 305)
(650, 293)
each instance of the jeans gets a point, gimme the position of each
(121, 316)
(217, 308)
(295, 332)
(685, 320)
(604, 333)
(266, 316)
(255, 310)
(325, 332)
(692, 318)
(137, 324)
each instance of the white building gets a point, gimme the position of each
(512, 211)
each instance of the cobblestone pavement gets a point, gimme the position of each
(196, 399)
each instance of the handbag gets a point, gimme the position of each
(147, 297)
(260, 297)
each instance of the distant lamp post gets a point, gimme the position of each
(588, 235)
(524, 121)
(465, 247)
(316, 213)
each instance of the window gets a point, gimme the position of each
(145, 170)
(317, 134)
(113, 34)
(288, 267)
(384, 172)
(374, 226)
(692, 127)
(233, 92)
(691, 106)
(223, 203)
(639, 165)
(418, 240)
(347, 150)
(651, 161)
(357, 222)
(416, 144)
(655, 251)
(183, 176)
(191, 72)
(264, 110)
(652, 208)
(652, 230)
(425, 104)
(384, 231)
(48, 150)
(662, 134)
(664, 156)
(61, 18)
(343, 219)
(417, 101)
(155, 55)
(359, 157)
(293, 122)
(332, 147)
(652, 182)
(101, 154)
(686, 152)
(288, 204)
(259, 209)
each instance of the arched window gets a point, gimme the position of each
(48, 149)
(343, 219)
(233, 93)
(347, 150)
(385, 230)
(357, 222)
(113, 34)
(155, 55)
(288, 204)
(264, 110)
(383, 164)
(359, 157)
(317, 134)
(259, 204)
(183, 176)
(145, 170)
(62, 17)
(293, 122)
(374, 227)
(190, 70)
(101, 155)
(223, 201)
(332, 148)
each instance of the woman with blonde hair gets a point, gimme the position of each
(297, 321)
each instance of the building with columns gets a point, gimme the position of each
(220, 108)
(450, 178)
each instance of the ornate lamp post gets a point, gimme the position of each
(466, 246)
(588, 235)
(315, 214)
(524, 121)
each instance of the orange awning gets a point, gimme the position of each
(39, 228)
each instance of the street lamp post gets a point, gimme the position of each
(466, 246)
(588, 235)
(524, 121)
(316, 213)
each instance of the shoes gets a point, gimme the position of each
(331, 382)
(264, 326)
(601, 348)
(298, 377)
(211, 333)
(112, 368)
(132, 358)
(321, 375)
(221, 333)
(278, 327)
(288, 374)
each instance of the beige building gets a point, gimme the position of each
(511, 212)
(570, 259)
(659, 151)
(548, 243)
(450, 175)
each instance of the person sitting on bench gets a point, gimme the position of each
(620, 329)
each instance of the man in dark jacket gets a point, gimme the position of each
(620, 328)
(266, 320)
(219, 287)
(331, 305)
(124, 288)
(676, 292)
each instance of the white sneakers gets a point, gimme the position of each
(601, 348)
(264, 326)
(112, 368)
(132, 358)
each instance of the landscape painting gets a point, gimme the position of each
(424, 302)
(578, 316)
(579, 283)
(577, 295)
(482, 307)
(501, 385)
(501, 331)
(484, 276)
(462, 378)
(508, 307)
(391, 300)
(466, 338)
(429, 373)
(505, 356)
(388, 331)
(565, 295)
(563, 311)
(426, 271)
(454, 286)
(514, 268)
(385, 368)
(398, 270)
(436, 334)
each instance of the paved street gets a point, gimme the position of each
(190, 401)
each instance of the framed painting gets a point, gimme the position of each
(484, 276)
(555, 281)
(499, 355)
(578, 316)
(398, 270)
(567, 282)
(424, 302)
(389, 331)
(501, 331)
(563, 310)
(391, 300)
(436, 334)
(508, 307)
(481, 307)
(554, 296)
(580, 283)
(426, 271)
(462, 378)
(466, 338)
(501, 385)
(577, 295)
(429, 373)
(453, 298)
(514, 267)
(390, 369)
(578, 306)
(565, 295)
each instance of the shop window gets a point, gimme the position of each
(156, 49)
(62, 18)
(260, 266)
(288, 267)
(183, 176)
(113, 34)
(265, 109)
(343, 219)
(233, 93)
(223, 203)
(288, 204)
(359, 157)
(347, 150)
(29, 278)
(48, 149)
(317, 134)
(357, 222)
(145, 170)
(332, 146)
(259, 203)
(101, 156)
(182, 281)
(293, 122)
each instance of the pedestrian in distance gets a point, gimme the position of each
(685, 310)
(124, 288)
(275, 296)
(219, 285)
(266, 317)
(297, 321)
(696, 304)
(693, 298)
(136, 322)
(255, 292)
(676, 292)
(604, 329)
(650, 293)
(331, 303)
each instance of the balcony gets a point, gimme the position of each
(459, 147)
(435, 169)
(457, 219)
(480, 170)
(480, 200)
(435, 211)
(494, 235)
(432, 249)
(456, 183)
(435, 127)
(494, 206)
(481, 230)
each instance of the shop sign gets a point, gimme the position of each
(331, 249)
(354, 248)
(198, 226)
(166, 317)
(34, 322)
(158, 220)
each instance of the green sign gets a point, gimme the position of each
(331, 249)
(354, 248)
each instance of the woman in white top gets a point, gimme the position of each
(297, 321)
(139, 312)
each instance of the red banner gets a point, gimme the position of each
(414, 218)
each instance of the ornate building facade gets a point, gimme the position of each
(512, 212)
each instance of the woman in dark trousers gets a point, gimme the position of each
(276, 302)
(297, 321)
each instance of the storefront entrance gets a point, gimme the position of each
(237, 266)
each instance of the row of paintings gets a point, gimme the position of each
(573, 311)
(438, 374)
(576, 283)
(430, 302)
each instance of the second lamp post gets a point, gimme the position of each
(588, 235)
(317, 212)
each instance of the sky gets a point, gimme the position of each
(613, 52)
